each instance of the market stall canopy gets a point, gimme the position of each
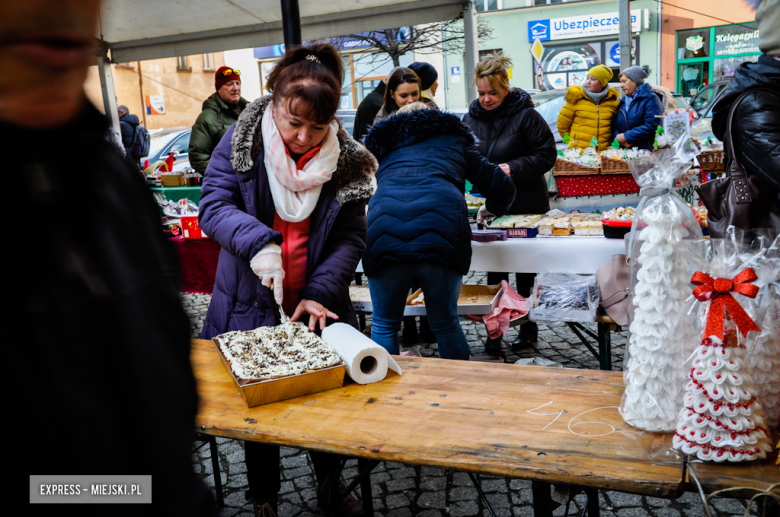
(152, 29)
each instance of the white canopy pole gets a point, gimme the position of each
(107, 88)
(472, 49)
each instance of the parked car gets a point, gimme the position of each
(702, 128)
(166, 141)
(709, 95)
(347, 118)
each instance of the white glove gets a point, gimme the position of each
(483, 216)
(267, 264)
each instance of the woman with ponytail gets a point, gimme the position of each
(285, 196)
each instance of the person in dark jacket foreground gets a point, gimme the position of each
(96, 339)
(220, 111)
(418, 227)
(285, 196)
(756, 131)
(511, 133)
(367, 110)
(639, 111)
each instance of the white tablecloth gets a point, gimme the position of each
(582, 255)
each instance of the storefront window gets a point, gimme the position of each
(693, 44)
(567, 65)
(693, 77)
(363, 88)
(725, 68)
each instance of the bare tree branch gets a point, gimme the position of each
(431, 38)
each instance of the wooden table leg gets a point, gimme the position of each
(593, 502)
(212, 441)
(482, 495)
(365, 466)
(361, 317)
(542, 499)
(605, 346)
(578, 330)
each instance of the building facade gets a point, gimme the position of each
(575, 36)
(687, 62)
(169, 92)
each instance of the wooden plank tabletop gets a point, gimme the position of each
(550, 424)
(752, 477)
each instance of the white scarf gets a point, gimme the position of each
(295, 192)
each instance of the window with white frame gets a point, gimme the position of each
(544, 2)
(208, 61)
(488, 5)
(182, 64)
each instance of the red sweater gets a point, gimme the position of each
(295, 249)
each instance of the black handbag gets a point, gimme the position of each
(740, 198)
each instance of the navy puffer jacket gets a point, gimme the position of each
(418, 214)
(639, 122)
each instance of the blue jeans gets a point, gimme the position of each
(389, 288)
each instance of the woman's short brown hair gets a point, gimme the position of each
(398, 77)
(308, 80)
(494, 70)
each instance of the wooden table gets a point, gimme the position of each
(553, 425)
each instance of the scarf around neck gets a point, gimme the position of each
(596, 97)
(296, 191)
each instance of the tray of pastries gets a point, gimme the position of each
(269, 364)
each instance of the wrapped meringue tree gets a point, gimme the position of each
(663, 238)
(722, 418)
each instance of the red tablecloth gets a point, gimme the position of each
(574, 186)
(198, 259)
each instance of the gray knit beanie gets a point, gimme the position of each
(768, 22)
(636, 74)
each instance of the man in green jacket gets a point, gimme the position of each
(220, 111)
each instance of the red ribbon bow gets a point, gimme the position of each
(717, 291)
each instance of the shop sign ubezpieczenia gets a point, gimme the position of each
(735, 40)
(581, 26)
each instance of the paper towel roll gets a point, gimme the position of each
(366, 361)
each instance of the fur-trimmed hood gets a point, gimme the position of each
(354, 176)
(404, 129)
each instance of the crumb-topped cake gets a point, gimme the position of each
(273, 352)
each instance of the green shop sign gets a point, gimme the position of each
(733, 40)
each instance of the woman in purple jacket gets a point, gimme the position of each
(285, 196)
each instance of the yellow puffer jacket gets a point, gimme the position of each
(583, 119)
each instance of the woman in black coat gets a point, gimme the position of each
(512, 134)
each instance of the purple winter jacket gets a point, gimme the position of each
(237, 211)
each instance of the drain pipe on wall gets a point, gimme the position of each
(446, 70)
(660, 22)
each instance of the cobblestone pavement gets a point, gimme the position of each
(401, 490)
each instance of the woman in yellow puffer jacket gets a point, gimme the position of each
(590, 110)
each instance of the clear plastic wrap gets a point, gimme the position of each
(663, 238)
(722, 418)
(763, 348)
(564, 297)
(180, 208)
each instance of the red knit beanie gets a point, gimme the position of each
(220, 79)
